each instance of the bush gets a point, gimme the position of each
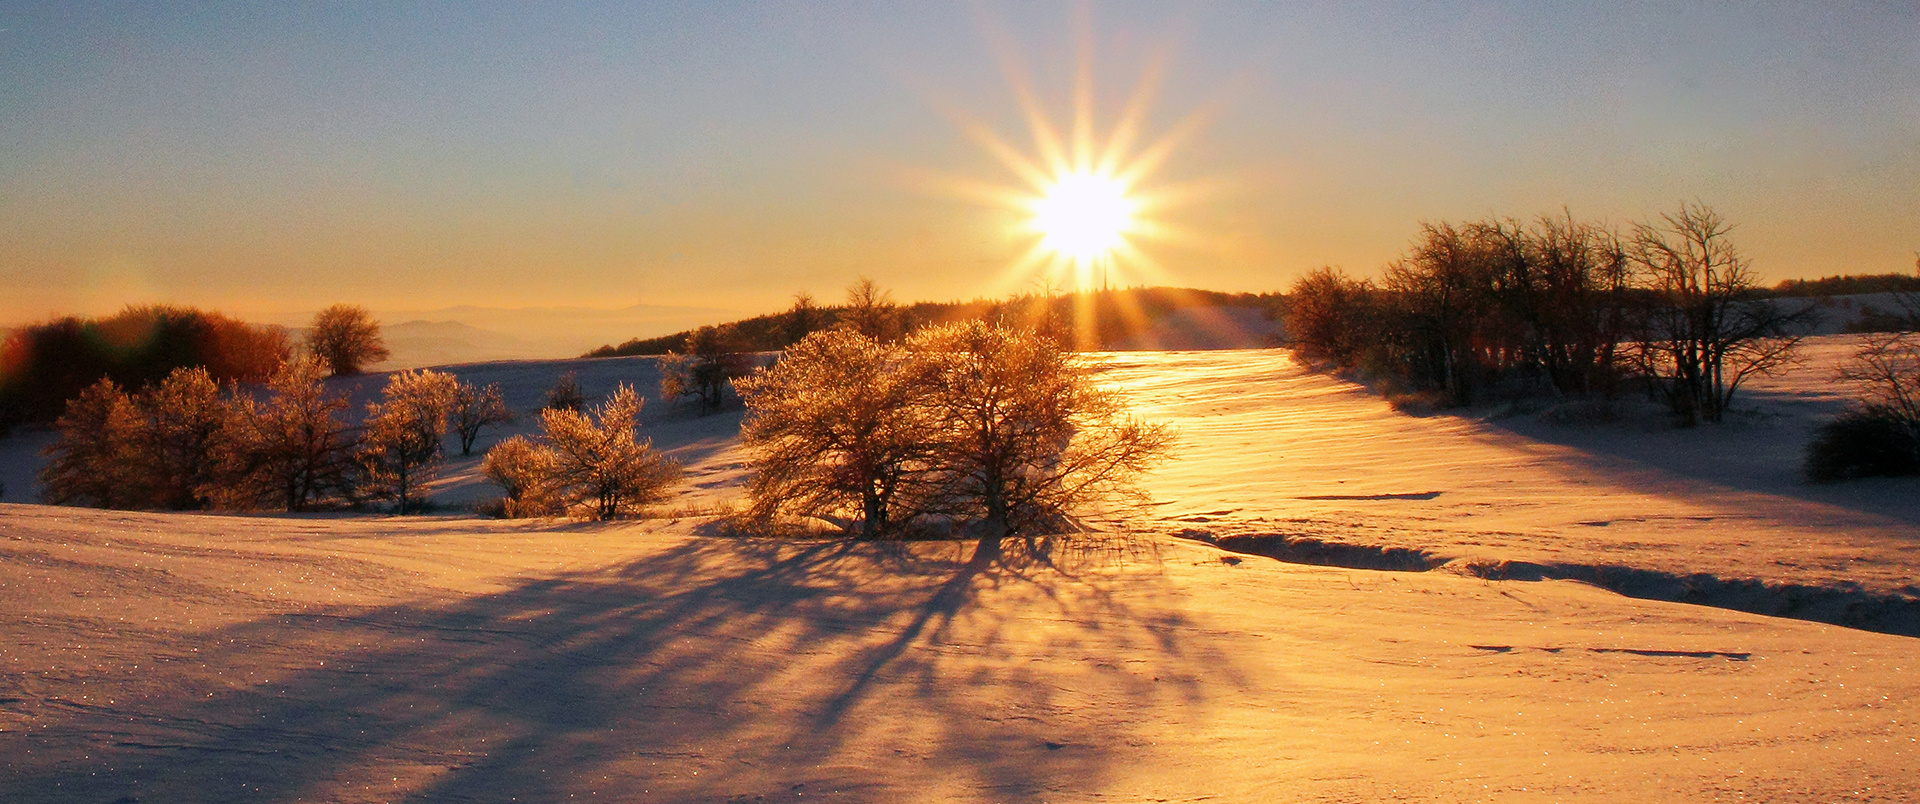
(594, 462)
(1863, 443)
(1882, 436)
(524, 470)
(565, 394)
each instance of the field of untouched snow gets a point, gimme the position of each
(1268, 448)
(161, 657)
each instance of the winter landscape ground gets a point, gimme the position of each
(165, 657)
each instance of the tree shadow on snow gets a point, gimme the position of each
(716, 669)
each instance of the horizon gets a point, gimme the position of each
(263, 161)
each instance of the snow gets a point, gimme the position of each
(157, 657)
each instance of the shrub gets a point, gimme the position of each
(1863, 443)
(1881, 436)
(599, 462)
(565, 394)
(524, 470)
(346, 339)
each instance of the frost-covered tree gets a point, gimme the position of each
(1027, 437)
(290, 451)
(182, 421)
(475, 409)
(400, 449)
(95, 460)
(525, 472)
(600, 462)
(838, 429)
(346, 338)
(713, 361)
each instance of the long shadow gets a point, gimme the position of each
(714, 670)
(1757, 455)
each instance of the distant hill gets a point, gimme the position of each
(1124, 319)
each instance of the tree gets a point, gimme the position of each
(1880, 434)
(346, 339)
(475, 409)
(801, 319)
(400, 450)
(712, 362)
(1027, 437)
(94, 461)
(838, 429)
(565, 394)
(599, 462)
(525, 471)
(870, 310)
(290, 450)
(182, 419)
(1709, 331)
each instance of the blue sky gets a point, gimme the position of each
(265, 158)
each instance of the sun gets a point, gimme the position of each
(1084, 215)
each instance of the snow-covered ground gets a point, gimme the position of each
(160, 657)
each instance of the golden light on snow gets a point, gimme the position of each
(1084, 216)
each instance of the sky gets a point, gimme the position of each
(268, 159)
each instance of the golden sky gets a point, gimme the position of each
(269, 159)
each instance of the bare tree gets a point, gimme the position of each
(290, 450)
(598, 460)
(400, 449)
(1709, 330)
(182, 418)
(870, 310)
(838, 429)
(346, 338)
(94, 460)
(475, 409)
(1027, 437)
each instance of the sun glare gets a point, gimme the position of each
(1084, 216)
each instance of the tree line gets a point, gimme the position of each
(188, 443)
(1109, 317)
(44, 365)
(1482, 309)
